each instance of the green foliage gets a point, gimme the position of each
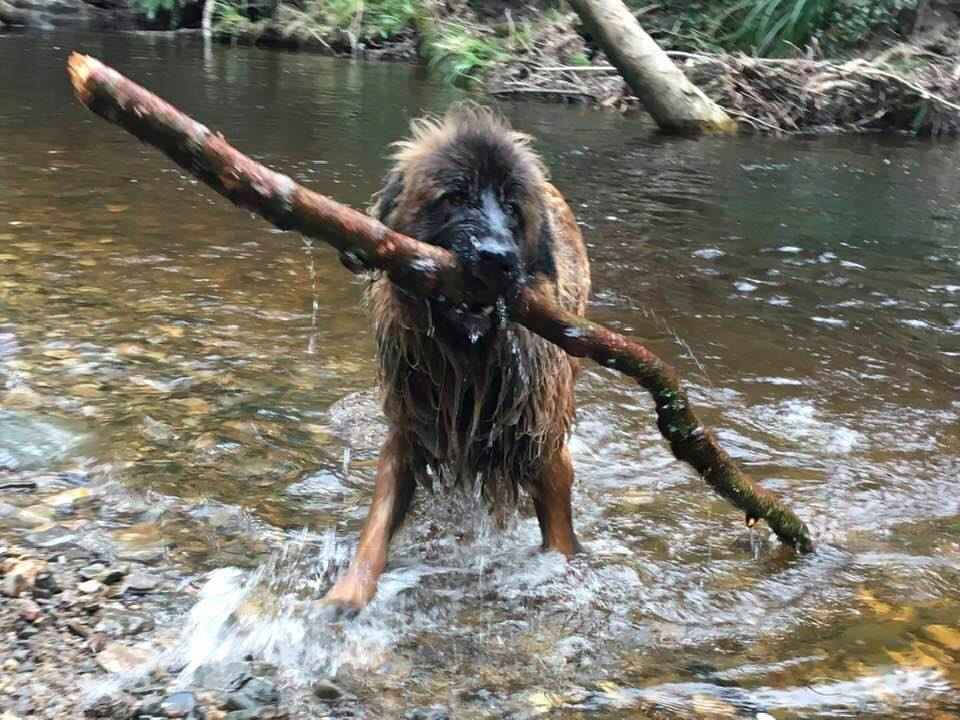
(461, 54)
(323, 21)
(853, 21)
(772, 27)
(368, 19)
(579, 59)
(150, 8)
(768, 27)
(231, 21)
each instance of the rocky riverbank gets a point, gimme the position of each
(90, 632)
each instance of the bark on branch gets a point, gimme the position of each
(424, 269)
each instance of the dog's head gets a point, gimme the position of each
(470, 184)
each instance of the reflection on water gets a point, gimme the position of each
(209, 377)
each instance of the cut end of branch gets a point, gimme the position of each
(80, 67)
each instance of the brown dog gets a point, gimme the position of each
(471, 398)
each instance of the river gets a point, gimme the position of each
(210, 379)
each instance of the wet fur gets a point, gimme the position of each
(489, 412)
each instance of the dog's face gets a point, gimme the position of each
(471, 186)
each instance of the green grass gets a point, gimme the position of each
(461, 54)
(772, 27)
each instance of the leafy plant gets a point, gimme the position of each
(461, 54)
(150, 8)
(772, 27)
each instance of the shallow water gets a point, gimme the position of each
(210, 378)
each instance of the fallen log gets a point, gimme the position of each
(424, 269)
(675, 103)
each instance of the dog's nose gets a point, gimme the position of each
(499, 257)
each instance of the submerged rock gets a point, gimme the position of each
(327, 690)
(117, 658)
(177, 705)
(121, 623)
(31, 441)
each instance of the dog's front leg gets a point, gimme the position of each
(552, 500)
(391, 500)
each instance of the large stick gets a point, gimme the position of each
(424, 269)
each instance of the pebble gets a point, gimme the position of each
(45, 585)
(118, 623)
(142, 583)
(29, 611)
(20, 576)
(178, 705)
(327, 690)
(68, 498)
(52, 537)
(429, 713)
(256, 693)
(89, 587)
(114, 574)
(92, 572)
(78, 628)
(117, 658)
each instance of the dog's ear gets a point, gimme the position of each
(387, 199)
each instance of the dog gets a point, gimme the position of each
(470, 398)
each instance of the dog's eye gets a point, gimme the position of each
(456, 198)
(513, 207)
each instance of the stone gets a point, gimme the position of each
(118, 658)
(327, 690)
(89, 587)
(69, 498)
(25, 630)
(141, 583)
(256, 693)
(78, 628)
(21, 517)
(92, 571)
(111, 627)
(180, 705)
(30, 440)
(20, 576)
(120, 623)
(45, 584)
(51, 538)
(429, 713)
(256, 713)
(262, 690)
(29, 611)
(114, 574)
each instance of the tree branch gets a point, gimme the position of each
(424, 269)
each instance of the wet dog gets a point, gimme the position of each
(469, 397)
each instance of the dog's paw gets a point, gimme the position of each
(335, 611)
(346, 599)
